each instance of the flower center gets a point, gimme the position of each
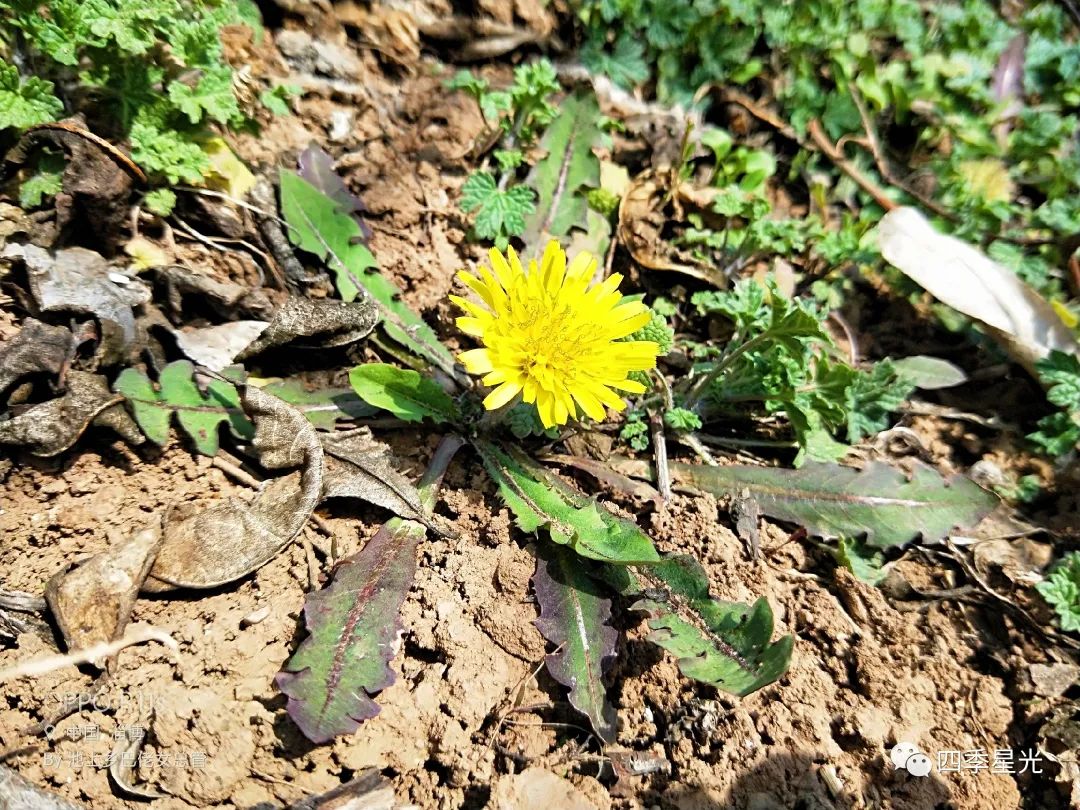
(550, 343)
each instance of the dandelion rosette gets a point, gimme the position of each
(552, 336)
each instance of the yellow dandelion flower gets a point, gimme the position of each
(551, 336)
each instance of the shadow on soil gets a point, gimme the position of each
(798, 782)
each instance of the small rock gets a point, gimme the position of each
(341, 125)
(538, 789)
(1051, 680)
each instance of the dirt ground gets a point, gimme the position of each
(469, 723)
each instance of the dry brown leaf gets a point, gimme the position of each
(326, 322)
(614, 481)
(97, 181)
(642, 216)
(1020, 560)
(210, 547)
(360, 466)
(125, 756)
(52, 427)
(967, 280)
(37, 348)
(229, 299)
(92, 602)
(80, 280)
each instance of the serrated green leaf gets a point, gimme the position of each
(871, 396)
(199, 413)
(1061, 372)
(46, 181)
(560, 179)
(815, 440)
(499, 213)
(130, 25)
(212, 97)
(318, 225)
(465, 80)
(575, 616)
(166, 152)
(624, 64)
(725, 644)
(26, 102)
(403, 392)
(539, 499)
(160, 201)
(1061, 590)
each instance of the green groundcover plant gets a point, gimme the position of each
(151, 74)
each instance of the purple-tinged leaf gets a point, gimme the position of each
(354, 627)
(353, 623)
(1008, 78)
(1007, 84)
(879, 502)
(317, 167)
(573, 616)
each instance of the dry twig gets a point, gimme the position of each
(136, 634)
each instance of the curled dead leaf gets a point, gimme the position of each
(227, 298)
(327, 322)
(97, 182)
(210, 547)
(1020, 560)
(80, 280)
(643, 213)
(609, 478)
(125, 756)
(37, 348)
(50, 428)
(360, 466)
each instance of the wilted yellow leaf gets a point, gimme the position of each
(226, 173)
(989, 179)
(145, 254)
(1068, 317)
(613, 177)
